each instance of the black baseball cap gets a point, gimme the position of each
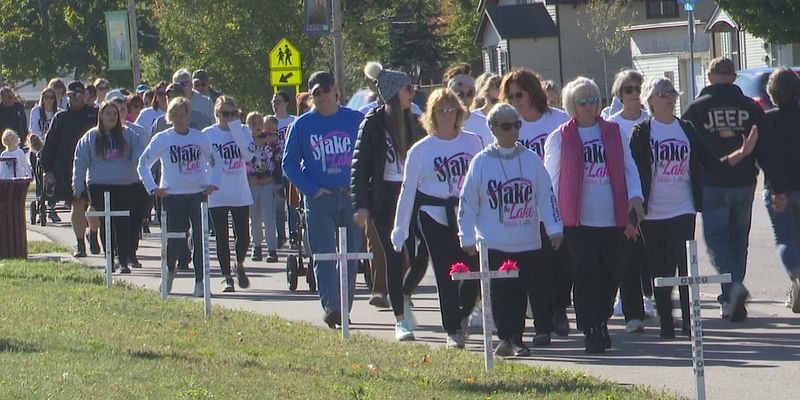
(76, 87)
(320, 79)
(175, 88)
(201, 75)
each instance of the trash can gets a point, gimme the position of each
(13, 231)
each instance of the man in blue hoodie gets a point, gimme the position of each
(317, 157)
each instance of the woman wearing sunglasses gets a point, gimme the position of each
(487, 95)
(263, 174)
(463, 86)
(379, 160)
(156, 108)
(664, 150)
(506, 194)
(233, 146)
(523, 89)
(600, 198)
(634, 299)
(435, 169)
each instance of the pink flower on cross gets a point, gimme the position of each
(458, 268)
(508, 266)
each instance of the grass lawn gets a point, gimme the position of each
(41, 247)
(63, 335)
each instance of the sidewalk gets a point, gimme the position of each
(759, 358)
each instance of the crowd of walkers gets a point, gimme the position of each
(589, 204)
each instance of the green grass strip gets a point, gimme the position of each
(42, 247)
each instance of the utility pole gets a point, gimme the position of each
(688, 6)
(137, 73)
(338, 47)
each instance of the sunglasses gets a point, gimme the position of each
(587, 100)
(506, 126)
(184, 83)
(516, 95)
(468, 94)
(667, 93)
(229, 114)
(446, 110)
(631, 89)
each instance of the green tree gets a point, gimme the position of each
(773, 20)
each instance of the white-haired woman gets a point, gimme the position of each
(664, 150)
(598, 190)
(506, 194)
(186, 179)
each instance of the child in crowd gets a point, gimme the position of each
(262, 173)
(22, 167)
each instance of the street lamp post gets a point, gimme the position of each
(688, 6)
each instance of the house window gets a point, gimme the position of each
(661, 8)
(502, 61)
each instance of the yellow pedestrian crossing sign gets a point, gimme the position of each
(285, 63)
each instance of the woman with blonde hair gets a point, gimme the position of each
(435, 169)
(263, 174)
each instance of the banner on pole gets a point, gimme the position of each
(119, 40)
(317, 16)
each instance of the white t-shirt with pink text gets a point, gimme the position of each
(671, 189)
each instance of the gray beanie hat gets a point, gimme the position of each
(388, 81)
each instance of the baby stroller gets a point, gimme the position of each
(295, 266)
(44, 195)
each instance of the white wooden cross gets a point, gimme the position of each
(485, 276)
(694, 280)
(165, 236)
(342, 257)
(206, 261)
(107, 214)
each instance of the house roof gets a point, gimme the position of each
(518, 21)
(720, 21)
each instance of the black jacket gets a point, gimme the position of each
(369, 161)
(722, 115)
(65, 131)
(779, 140)
(14, 118)
(642, 153)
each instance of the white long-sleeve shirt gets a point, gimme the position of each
(185, 162)
(232, 150)
(36, 126)
(23, 165)
(597, 207)
(506, 194)
(436, 167)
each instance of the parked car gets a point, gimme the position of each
(753, 82)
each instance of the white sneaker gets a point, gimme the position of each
(634, 326)
(789, 298)
(649, 310)
(725, 310)
(476, 318)
(402, 332)
(455, 341)
(618, 306)
(198, 289)
(408, 313)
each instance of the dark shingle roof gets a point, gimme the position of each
(520, 21)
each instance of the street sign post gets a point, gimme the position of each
(285, 65)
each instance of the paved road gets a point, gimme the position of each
(759, 358)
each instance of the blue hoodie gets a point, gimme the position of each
(319, 150)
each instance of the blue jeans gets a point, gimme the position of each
(726, 226)
(786, 227)
(262, 216)
(324, 216)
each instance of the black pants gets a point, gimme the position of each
(241, 231)
(666, 248)
(183, 210)
(597, 255)
(562, 276)
(123, 198)
(397, 284)
(508, 295)
(630, 281)
(456, 299)
(138, 214)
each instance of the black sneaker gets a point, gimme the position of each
(561, 323)
(332, 318)
(604, 335)
(229, 285)
(738, 295)
(667, 328)
(146, 227)
(54, 218)
(256, 254)
(273, 256)
(123, 269)
(80, 249)
(520, 350)
(241, 277)
(133, 262)
(593, 341)
(541, 339)
(94, 245)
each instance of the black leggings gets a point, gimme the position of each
(181, 210)
(666, 247)
(396, 283)
(123, 198)
(508, 294)
(241, 231)
(456, 299)
(138, 214)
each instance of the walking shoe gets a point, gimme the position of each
(634, 326)
(455, 340)
(476, 318)
(618, 306)
(123, 269)
(739, 296)
(402, 332)
(561, 323)
(146, 227)
(54, 218)
(169, 280)
(789, 297)
(410, 318)
(725, 310)
(256, 253)
(504, 348)
(80, 249)
(272, 257)
(198, 289)
(94, 245)
(332, 318)
(541, 339)
(520, 350)
(605, 337)
(795, 292)
(228, 285)
(593, 342)
(133, 262)
(241, 277)
(379, 300)
(649, 310)
(465, 327)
